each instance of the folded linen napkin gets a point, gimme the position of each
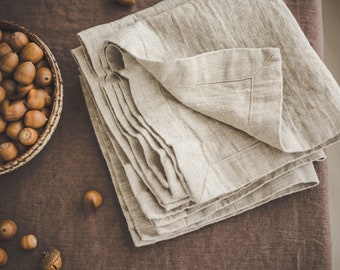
(205, 109)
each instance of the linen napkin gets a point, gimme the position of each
(205, 109)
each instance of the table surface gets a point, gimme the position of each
(44, 197)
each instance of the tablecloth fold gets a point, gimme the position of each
(206, 109)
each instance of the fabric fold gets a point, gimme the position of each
(228, 89)
(265, 120)
(202, 114)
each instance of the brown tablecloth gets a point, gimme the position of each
(44, 197)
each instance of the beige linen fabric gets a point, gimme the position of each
(205, 109)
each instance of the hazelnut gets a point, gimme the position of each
(31, 52)
(8, 152)
(24, 109)
(48, 98)
(46, 111)
(28, 136)
(10, 87)
(3, 257)
(4, 49)
(44, 76)
(93, 198)
(37, 99)
(13, 129)
(126, 2)
(9, 62)
(18, 40)
(13, 111)
(35, 119)
(29, 242)
(3, 124)
(25, 73)
(22, 90)
(51, 260)
(2, 94)
(42, 63)
(8, 228)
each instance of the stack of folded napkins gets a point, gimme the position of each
(205, 109)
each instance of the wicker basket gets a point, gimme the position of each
(53, 120)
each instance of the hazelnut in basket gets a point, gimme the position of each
(30, 95)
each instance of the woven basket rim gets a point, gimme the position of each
(57, 106)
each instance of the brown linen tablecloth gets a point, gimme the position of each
(45, 196)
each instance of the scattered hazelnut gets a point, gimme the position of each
(93, 198)
(8, 152)
(3, 257)
(29, 242)
(51, 260)
(8, 229)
